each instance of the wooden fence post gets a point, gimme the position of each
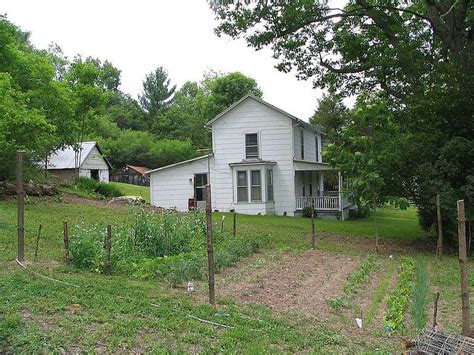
(313, 231)
(210, 246)
(108, 250)
(234, 229)
(435, 310)
(439, 247)
(466, 312)
(37, 241)
(21, 205)
(376, 229)
(66, 242)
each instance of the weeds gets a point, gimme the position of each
(418, 311)
(167, 245)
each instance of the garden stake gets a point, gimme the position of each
(435, 309)
(234, 231)
(313, 232)
(439, 247)
(222, 224)
(37, 241)
(466, 311)
(21, 205)
(66, 242)
(108, 249)
(210, 247)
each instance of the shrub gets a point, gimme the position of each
(107, 190)
(308, 212)
(100, 188)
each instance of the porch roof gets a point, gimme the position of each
(252, 162)
(304, 165)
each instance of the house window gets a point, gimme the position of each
(242, 190)
(256, 186)
(317, 147)
(302, 144)
(251, 145)
(200, 182)
(269, 185)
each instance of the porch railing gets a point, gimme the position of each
(321, 203)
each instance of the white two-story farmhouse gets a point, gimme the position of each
(263, 161)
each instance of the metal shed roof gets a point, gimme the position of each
(65, 158)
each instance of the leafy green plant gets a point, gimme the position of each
(418, 311)
(355, 280)
(398, 301)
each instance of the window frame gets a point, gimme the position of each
(245, 187)
(200, 187)
(302, 143)
(252, 146)
(316, 140)
(256, 186)
(269, 177)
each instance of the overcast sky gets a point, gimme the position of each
(139, 35)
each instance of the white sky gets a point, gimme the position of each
(138, 36)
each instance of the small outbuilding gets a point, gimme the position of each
(88, 159)
(132, 174)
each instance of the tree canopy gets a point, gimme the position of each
(416, 57)
(48, 101)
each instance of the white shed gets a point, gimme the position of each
(89, 159)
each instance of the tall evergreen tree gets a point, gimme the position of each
(157, 91)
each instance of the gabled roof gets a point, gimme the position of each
(65, 158)
(251, 96)
(180, 163)
(139, 169)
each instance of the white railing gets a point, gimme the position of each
(322, 203)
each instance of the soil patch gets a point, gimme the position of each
(297, 283)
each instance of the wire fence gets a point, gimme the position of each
(437, 342)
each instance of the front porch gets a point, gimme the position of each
(321, 190)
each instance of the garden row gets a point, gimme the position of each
(166, 245)
(410, 293)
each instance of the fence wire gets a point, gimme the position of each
(432, 341)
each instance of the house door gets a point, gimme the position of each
(200, 182)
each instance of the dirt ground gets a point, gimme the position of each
(294, 282)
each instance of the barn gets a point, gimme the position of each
(132, 174)
(88, 159)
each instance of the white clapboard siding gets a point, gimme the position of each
(171, 188)
(309, 143)
(275, 144)
(95, 161)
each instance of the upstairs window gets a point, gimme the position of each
(251, 145)
(242, 192)
(256, 186)
(302, 144)
(316, 145)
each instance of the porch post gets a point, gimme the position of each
(321, 183)
(339, 194)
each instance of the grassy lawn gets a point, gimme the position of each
(133, 190)
(125, 314)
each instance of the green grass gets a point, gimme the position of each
(118, 314)
(394, 225)
(114, 313)
(133, 190)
